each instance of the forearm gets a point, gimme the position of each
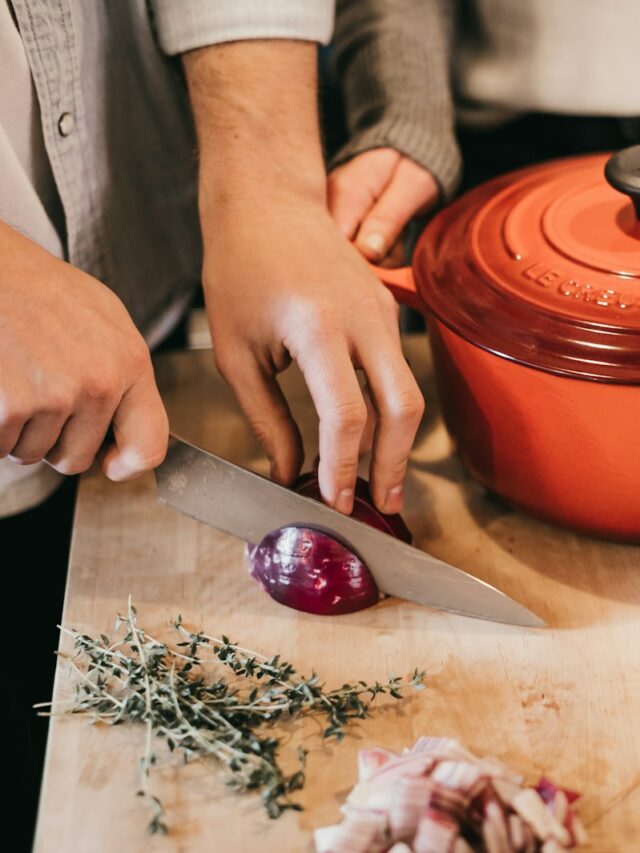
(255, 108)
(393, 63)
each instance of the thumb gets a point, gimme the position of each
(141, 431)
(412, 190)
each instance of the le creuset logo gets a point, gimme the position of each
(548, 276)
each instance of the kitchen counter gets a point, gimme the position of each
(563, 702)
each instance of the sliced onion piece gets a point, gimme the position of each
(308, 570)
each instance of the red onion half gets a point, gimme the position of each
(309, 570)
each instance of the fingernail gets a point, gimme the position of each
(344, 501)
(126, 465)
(393, 501)
(375, 243)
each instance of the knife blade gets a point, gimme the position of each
(248, 506)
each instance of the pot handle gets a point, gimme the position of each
(402, 284)
(623, 173)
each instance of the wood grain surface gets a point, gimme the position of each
(564, 701)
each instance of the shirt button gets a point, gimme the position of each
(66, 123)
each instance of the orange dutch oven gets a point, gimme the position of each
(531, 287)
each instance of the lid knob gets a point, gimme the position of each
(623, 173)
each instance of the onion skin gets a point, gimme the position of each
(309, 570)
(548, 790)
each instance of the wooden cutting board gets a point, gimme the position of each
(564, 702)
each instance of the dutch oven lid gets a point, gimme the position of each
(543, 267)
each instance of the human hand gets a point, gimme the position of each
(372, 198)
(289, 286)
(73, 364)
(280, 280)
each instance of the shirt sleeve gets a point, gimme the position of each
(392, 59)
(183, 25)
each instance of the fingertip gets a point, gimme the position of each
(373, 245)
(338, 496)
(122, 465)
(392, 502)
(344, 501)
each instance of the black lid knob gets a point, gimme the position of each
(623, 173)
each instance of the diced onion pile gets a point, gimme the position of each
(440, 798)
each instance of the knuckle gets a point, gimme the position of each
(344, 470)
(139, 356)
(349, 417)
(407, 406)
(316, 320)
(369, 307)
(260, 429)
(318, 329)
(345, 183)
(273, 429)
(11, 418)
(389, 301)
(225, 361)
(7, 439)
(60, 400)
(101, 387)
(14, 413)
(58, 394)
(278, 435)
(423, 178)
(395, 469)
(361, 194)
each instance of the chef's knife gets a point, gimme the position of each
(237, 501)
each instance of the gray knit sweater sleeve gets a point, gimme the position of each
(392, 58)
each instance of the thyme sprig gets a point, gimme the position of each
(229, 716)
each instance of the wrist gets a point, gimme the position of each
(255, 108)
(257, 187)
(254, 225)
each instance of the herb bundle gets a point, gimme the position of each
(229, 716)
